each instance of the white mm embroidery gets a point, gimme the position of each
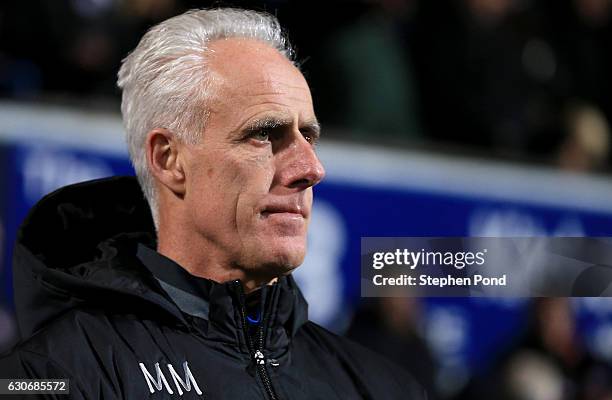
(162, 381)
(188, 377)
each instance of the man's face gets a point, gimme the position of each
(249, 179)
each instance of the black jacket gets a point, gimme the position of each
(90, 311)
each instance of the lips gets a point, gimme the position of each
(291, 209)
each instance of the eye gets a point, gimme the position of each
(262, 135)
(310, 137)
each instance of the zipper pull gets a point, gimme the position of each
(259, 358)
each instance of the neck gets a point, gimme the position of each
(203, 261)
(199, 255)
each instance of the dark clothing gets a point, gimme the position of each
(90, 309)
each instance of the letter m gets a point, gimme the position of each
(161, 379)
(186, 384)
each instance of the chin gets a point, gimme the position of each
(285, 262)
(290, 252)
(279, 258)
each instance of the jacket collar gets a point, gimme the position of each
(78, 248)
(219, 308)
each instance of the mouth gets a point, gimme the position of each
(294, 211)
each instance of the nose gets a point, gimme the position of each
(299, 167)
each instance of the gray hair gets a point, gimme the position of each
(166, 82)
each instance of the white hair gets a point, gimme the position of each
(166, 82)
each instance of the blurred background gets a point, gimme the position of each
(441, 118)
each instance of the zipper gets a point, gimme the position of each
(257, 354)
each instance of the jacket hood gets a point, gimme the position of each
(74, 247)
(78, 247)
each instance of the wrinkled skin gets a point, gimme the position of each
(246, 194)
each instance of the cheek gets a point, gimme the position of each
(212, 189)
(228, 176)
(231, 188)
(244, 184)
(259, 169)
(254, 175)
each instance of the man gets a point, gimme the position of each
(193, 298)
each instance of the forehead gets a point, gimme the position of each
(249, 67)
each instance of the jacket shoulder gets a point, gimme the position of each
(371, 369)
(80, 345)
(73, 330)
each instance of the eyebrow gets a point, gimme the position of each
(312, 126)
(269, 122)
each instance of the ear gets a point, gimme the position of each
(164, 160)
